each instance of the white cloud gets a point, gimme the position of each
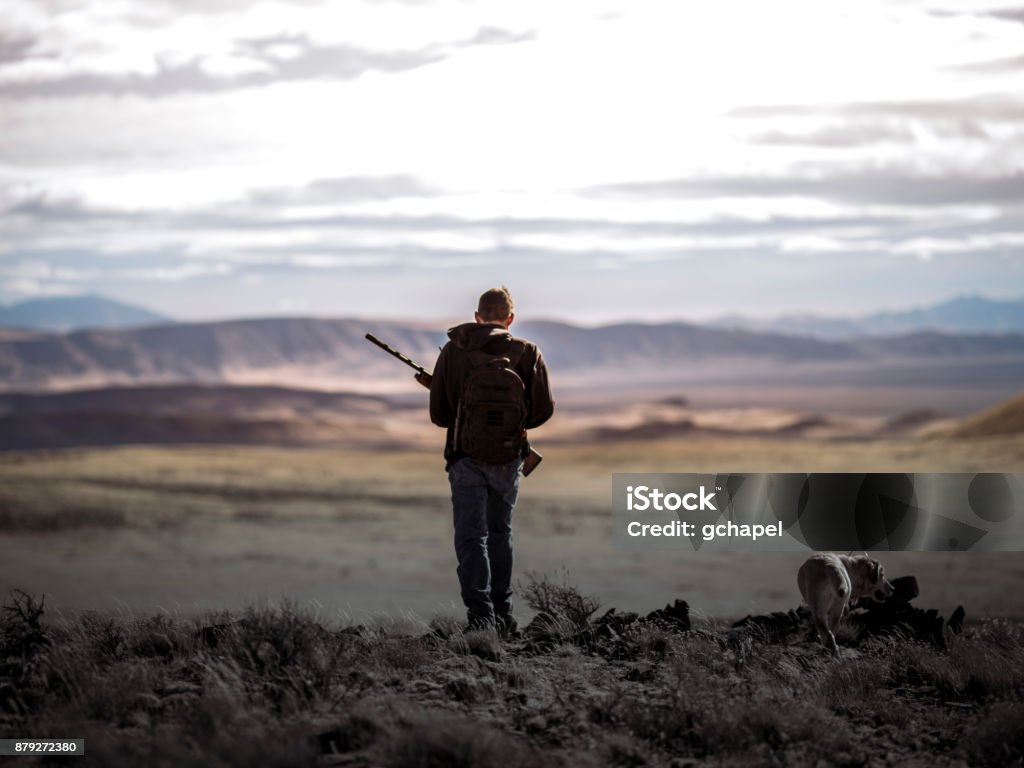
(467, 131)
(39, 271)
(929, 246)
(813, 244)
(176, 272)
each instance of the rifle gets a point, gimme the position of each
(532, 459)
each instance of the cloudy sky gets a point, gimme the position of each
(605, 160)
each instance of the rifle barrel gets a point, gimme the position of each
(396, 353)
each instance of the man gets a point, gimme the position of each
(483, 464)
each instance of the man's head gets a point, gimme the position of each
(495, 306)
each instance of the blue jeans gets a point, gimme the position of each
(483, 497)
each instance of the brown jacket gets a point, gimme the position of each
(453, 365)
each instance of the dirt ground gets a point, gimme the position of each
(360, 534)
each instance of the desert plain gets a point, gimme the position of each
(364, 533)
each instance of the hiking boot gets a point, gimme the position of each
(507, 626)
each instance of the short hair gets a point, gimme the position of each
(495, 305)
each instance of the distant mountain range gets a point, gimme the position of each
(964, 314)
(332, 354)
(67, 313)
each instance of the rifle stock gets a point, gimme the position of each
(533, 458)
(530, 461)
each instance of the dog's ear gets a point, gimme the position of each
(876, 568)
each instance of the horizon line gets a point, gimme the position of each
(540, 318)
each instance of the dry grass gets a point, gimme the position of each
(559, 599)
(281, 687)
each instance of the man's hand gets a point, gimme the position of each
(423, 378)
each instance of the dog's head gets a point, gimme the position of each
(871, 577)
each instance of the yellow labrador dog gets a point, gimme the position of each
(830, 583)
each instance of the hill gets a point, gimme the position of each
(196, 414)
(65, 313)
(275, 350)
(228, 414)
(1004, 419)
(332, 354)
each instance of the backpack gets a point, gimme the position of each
(492, 409)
